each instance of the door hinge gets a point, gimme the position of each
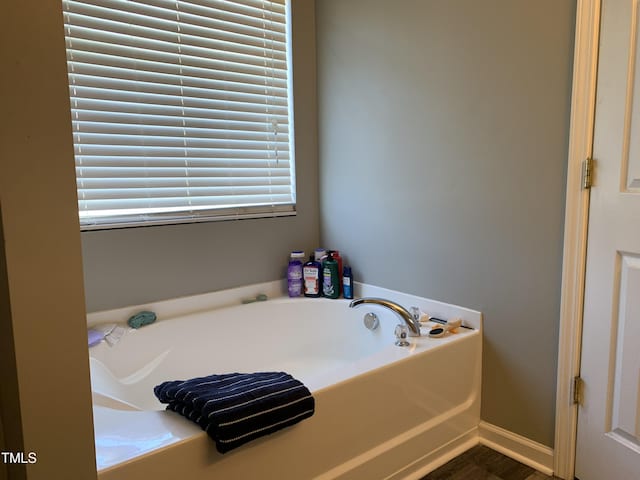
(587, 173)
(577, 390)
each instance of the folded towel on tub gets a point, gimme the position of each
(236, 408)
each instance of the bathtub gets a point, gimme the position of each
(382, 411)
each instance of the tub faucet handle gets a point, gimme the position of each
(415, 313)
(402, 332)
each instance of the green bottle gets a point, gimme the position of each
(330, 277)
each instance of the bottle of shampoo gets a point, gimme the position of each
(320, 254)
(347, 283)
(294, 274)
(311, 276)
(330, 277)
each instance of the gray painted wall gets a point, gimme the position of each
(443, 132)
(139, 265)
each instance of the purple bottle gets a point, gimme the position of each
(294, 274)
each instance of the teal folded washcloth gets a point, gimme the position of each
(141, 319)
(261, 297)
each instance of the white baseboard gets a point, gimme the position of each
(519, 448)
(433, 460)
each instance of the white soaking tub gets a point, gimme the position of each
(382, 411)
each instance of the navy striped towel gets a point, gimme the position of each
(236, 408)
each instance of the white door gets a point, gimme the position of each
(608, 444)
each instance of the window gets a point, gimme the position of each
(181, 110)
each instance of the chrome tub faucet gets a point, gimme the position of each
(412, 321)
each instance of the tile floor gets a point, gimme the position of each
(482, 463)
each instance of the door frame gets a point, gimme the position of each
(583, 102)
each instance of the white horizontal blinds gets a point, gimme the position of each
(180, 109)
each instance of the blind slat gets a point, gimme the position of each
(93, 107)
(112, 66)
(122, 162)
(184, 96)
(178, 203)
(256, 178)
(148, 60)
(132, 47)
(196, 128)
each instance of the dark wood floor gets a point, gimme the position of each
(482, 463)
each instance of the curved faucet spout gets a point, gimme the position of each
(403, 313)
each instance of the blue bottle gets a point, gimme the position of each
(347, 283)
